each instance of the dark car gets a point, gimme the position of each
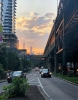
(45, 73)
(15, 74)
(9, 77)
(40, 70)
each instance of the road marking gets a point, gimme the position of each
(43, 89)
(36, 81)
(32, 80)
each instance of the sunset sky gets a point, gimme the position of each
(34, 20)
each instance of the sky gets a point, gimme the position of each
(34, 21)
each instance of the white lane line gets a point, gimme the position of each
(33, 84)
(43, 89)
(32, 80)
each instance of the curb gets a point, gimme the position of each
(43, 94)
(66, 80)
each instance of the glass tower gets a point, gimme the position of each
(0, 21)
(8, 15)
(0, 12)
(8, 23)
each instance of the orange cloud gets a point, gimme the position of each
(37, 24)
(21, 22)
(32, 31)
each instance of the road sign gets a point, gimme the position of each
(28, 57)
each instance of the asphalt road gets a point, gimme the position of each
(3, 84)
(54, 88)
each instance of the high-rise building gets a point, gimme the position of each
(8, 15)
(23, 45)
(0, 11)
(8, 23)
(0, 21)
(30, 50)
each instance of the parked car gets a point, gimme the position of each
(45, 73)
(15, 74)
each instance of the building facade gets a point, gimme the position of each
(0, 21)
(61, 49)
(22, 53)
(8, 15)
(0, 12)
(8, 23)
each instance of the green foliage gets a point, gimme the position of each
(21, 65)
(66, 77)
(9, 59)
(1, 70)
(12, 57)
(18, 87)
(4, 51)
(45, 67)
(3, 60)
(4, 96)
(29, 63)
(25, 63)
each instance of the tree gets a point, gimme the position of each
(25, 63)
(1, 70)
(13, 61)
(3, 59)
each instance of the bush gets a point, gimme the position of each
(18, 87)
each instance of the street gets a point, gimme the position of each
(54, 88)
(3, 84)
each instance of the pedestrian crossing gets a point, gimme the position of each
(34, 81)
